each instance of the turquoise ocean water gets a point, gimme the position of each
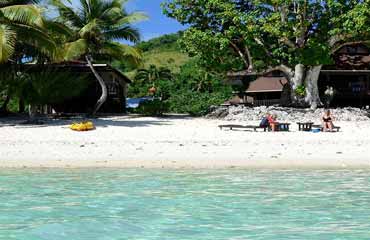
(171, 204)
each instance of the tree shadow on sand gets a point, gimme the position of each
(130, 121)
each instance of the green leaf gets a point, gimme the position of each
(7, 42)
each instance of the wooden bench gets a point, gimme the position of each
(305, 126)
(232, 126)
(284, 127)
(321, 128)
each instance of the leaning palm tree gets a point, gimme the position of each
(22, 21)
(97, 26)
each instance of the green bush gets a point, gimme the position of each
(194, 90)
(152, 108)
(196, 103)
(300, 91)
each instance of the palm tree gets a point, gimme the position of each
(21, 21)
(97, 26)
(153, 74)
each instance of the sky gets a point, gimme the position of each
(157, 24)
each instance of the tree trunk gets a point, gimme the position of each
(32, 110)
(21, 107)
(299, 74)
(297, 80)
(312, 89)
(4, 107)
(103, 86)
(302, 75)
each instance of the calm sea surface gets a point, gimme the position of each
(169, 204)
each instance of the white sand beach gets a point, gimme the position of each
(181, 142)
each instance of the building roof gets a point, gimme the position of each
(341, 71)
(266, 84)
(81, 66)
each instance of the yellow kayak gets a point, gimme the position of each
(82, 126)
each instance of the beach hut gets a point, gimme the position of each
(117, 84)
(267, 90)
(349, 77)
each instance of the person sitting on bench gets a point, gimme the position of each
(327, 121)
(265, 121)
(273, 123)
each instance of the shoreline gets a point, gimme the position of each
(181, 143)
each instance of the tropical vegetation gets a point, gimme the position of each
(296, 37)
(88, 33)
(191, 90)
(186, 71)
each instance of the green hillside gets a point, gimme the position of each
(162, 51)
(171, 59)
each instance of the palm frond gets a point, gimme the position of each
(5, 3)
(96, 7)
(125, 33)
(59, 28)
(131, 18)
(35, 37)
(122, 52)
(24, 14)
(67, 15)
(7, 42)
(112, 13)
(119, 3)
(73, 50)
(92, 28)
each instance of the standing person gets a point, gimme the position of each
(327, 121)
(329, 95)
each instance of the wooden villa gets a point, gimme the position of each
(349, 77)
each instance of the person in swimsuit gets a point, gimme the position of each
(327, 121)
(273, 123)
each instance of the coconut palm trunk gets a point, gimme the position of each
(104, 94)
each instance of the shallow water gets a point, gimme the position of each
(168, 204)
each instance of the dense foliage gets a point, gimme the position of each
(46, 87)
(193, 90)
(275, 32)
(22, 23)
(167, 41)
